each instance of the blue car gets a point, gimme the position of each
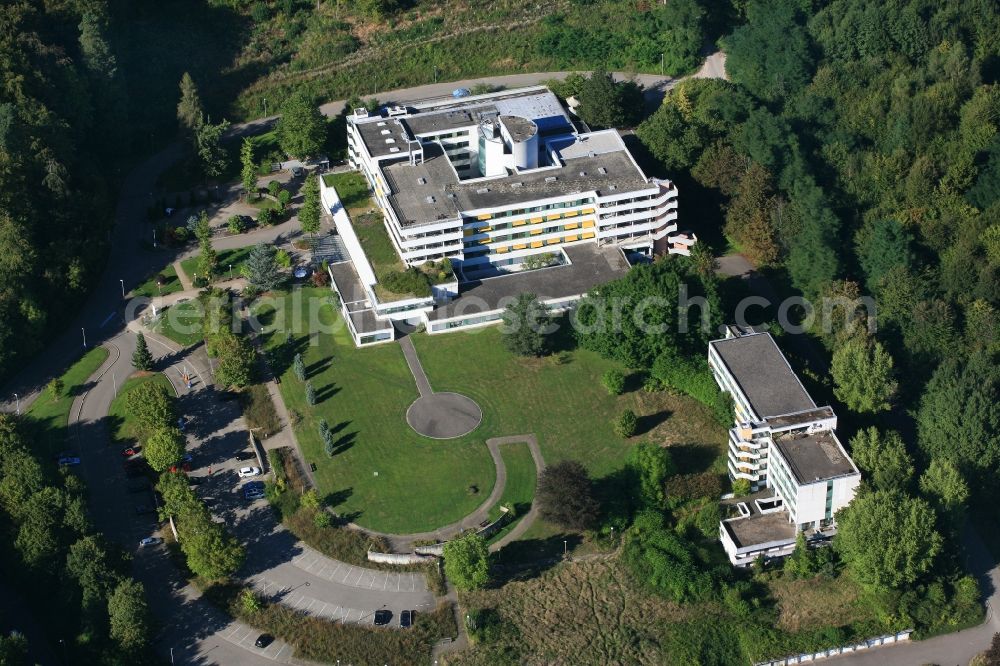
(459, 93)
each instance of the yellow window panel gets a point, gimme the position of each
(468, 232)
(537, 244)
(520, 246)
(484, 216)
(552, 241)
(485, 229)
(501, 250)
(485, 241)
(571, 226)
(535, 232)
(588, 224)
(570, 239)
(587, 211)
(555, 216)
(536, 220)
(588, 235)
(571, 213)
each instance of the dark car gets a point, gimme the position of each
(195, 480)
(382, 618)
(406, 619)
(263, 640)
(246, 455)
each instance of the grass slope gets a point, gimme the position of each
(383, 475)
(52, 414)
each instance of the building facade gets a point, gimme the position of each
(491, 180)
(783, 444)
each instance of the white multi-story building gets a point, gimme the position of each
(783, 444)
(492, 179)
(489, 181)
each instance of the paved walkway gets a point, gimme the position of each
(402, 543)
(416, 369)
(443, 415)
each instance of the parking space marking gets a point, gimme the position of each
(284, 646)
(361, 572)
(339, 565)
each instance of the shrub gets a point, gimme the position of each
(626, 423)
(283, 258)
(284, 196)
(299, 367)
(614, 382)
(267, 217)
(566, 496)
(310, 393)
(180, 234)
(411, 281)
(319, 278)
(741, 487)
(273, 187)
(324, 428)
(259, 411)
(56, 388)
(684, 488)
(236, 224)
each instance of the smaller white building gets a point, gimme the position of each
(784, 445)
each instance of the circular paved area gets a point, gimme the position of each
(444, 415)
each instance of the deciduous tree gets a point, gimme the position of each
(164, 447)
(882, 458)
(888, 539)
(190, 113)
(129, 616)
(467, 562)
(309, 213)
(526, 325)
(862, 374)
(302, 128)
(248, 170)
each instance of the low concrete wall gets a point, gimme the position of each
(436, 549)
(398, 558)
(879, 641)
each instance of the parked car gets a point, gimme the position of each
(131, 451)
(253, 490)
(246, 455)
(459, 93)
(69, 460)
(150, 541)
(406, 619)
(66, 454)
(382, 618)
(247, 472)
(187, 457)
(183, 467)
(195, 480)
(263, 640)
(297, 171)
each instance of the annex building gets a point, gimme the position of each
(513, 193)
(784, 445)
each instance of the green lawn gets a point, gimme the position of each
(261, 202)
(422, 484)
(52, 414)
(352, 188)
(520, 487)
(183, 323)
(383, 475)
(227, 258)
(149, 288)
(121, 424)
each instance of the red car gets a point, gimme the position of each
(186, 467)
(131, 451)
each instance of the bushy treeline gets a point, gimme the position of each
(66, 572)
(60, 101)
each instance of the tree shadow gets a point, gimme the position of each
(340, 426)
(326, 392)
(529, 558)
(337, 497)
(319, 366)
(646, 424)
(692, 458)
(344, 442)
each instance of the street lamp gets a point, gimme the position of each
(435, 73)
(661, 64)
(84, 331)
(123, 287)
(265, 107)
(565, 547)
(18, 401)
(230, 271)
(154, 238)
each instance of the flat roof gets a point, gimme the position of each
(805, 416)
(760, 528)
(430, 190)
(590, 267)
(763, 373)
(815, 457)
(347, 282)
